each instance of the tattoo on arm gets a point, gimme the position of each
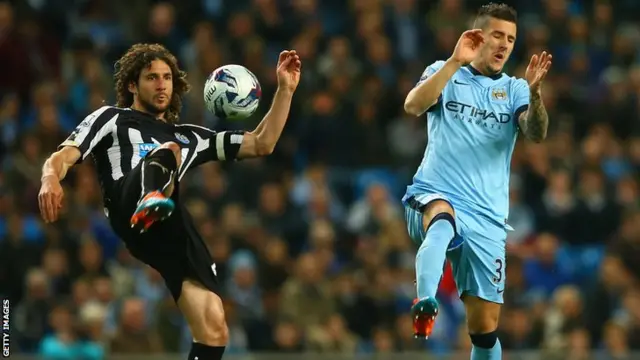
(535, 121)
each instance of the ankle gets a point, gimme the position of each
(150, 194)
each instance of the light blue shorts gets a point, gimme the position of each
(477, 254)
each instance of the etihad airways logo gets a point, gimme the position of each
(477, 116)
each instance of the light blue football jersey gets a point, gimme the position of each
(472, 132)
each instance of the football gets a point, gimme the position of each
(232, 92)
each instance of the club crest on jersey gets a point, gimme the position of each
(499, 94)
(182, 138)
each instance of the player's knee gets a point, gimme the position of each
(212, 331)
(165, 156)
(175, 149)
(208, 324)
(482, 324)
(204, 313)
(482, 315)
(171, 145)
(215, 331)
(437, 209)
(484, 341)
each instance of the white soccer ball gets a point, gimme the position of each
(232, 92)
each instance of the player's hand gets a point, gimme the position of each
(288, 70)
(537, 70)
(468, 46)
(50, 199)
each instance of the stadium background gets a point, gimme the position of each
(310, 243)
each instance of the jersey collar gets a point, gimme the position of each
(141, 113)
(146, 115)
(475, 72)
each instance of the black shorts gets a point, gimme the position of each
(173, 247)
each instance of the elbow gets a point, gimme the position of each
(264, 148)
(538, 138)
(417, 106)
(411, 108)
(50, 166)
(52, 159)
(409, 104)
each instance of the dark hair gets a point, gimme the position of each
(140, 56)
(497, 11)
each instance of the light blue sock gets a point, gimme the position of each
(495, 353)
(431, 257)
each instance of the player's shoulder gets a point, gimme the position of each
(194, 132)
(516, 83)
(201, 133)
(437, 64)
(99, 118)
(104, 113)
(193, 127)
(433, 67)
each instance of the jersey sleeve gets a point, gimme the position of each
(214, 146)
(227, 145)
(93, 128)
(430, 70)
(520, 98)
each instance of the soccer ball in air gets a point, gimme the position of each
(232, 92)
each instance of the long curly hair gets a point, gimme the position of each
(139, 57)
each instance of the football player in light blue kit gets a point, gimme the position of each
(457, 205)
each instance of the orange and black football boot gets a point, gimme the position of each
(151, 208)
(424, 312)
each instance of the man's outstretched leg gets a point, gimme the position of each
(482, 322)
(437, 220)
(479, 270)
(204, 313)
(159, 169)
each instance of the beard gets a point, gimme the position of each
(151, 108)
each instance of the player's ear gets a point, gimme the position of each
(133, 88)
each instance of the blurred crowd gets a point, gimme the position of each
(310, 243)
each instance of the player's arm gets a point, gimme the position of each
(234, 145)
(262, 141)
(429, 89)
(535, 120)
(75, 148)
(59, 163)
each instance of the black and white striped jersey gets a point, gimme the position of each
(118, 139)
